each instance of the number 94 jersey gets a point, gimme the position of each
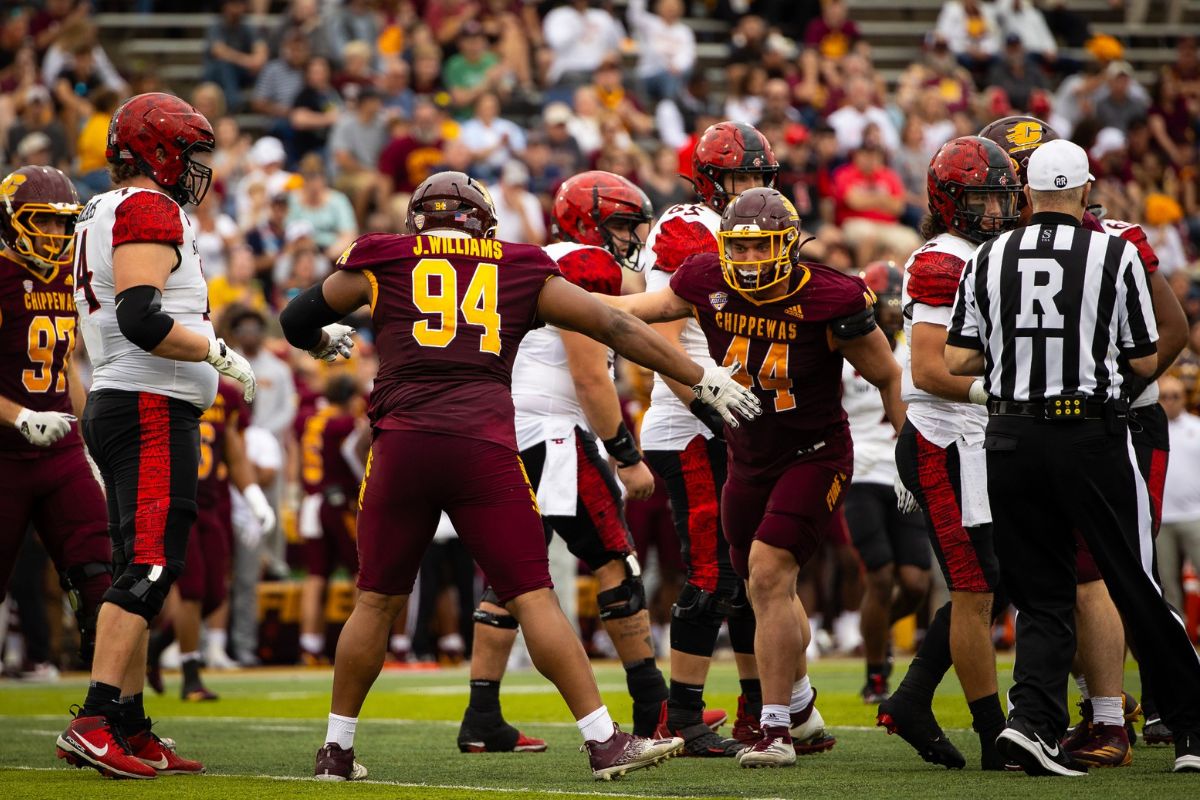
(37, 335)
(134, 216)
(449, 313)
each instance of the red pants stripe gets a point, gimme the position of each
(944, 513)
(154, 480)
(703, 514)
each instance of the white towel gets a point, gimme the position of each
(972, 476)
(309, 523)
(559, 486)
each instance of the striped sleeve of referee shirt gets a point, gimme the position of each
(965, 328)
(1137, 331)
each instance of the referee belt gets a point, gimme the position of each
(1055, 408)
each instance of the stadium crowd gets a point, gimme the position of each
(329, 115)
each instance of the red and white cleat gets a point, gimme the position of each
(160, 756)
(91, 742)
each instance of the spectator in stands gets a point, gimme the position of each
(266, 179)
(398, 98)
(48, 23)
(34, 150)
(230, 159)
(474, 70)
(1180, 529)
(610, 91)
(492, 140)
(518, 213)
(445, 19)
(749, 40)
(77, 55)
(238, 284)
(870, 199)
(267, 240)
(209, 100)
(510, 27)
(1024, 19)
(584, 124)
(566, 155)
(408, 158)
(544, 173)
(660, 180)
(234, 52)
(833, 34)
(275, 403)
(1170, 120)
(743, 98)
(1117, 103)
(37, 116)
(777, 104)
(92, 144)
(911, 162)
(327, 210)
(281, 80)
(300, 265)
(1162, 216)
(357, 139)
(972, 32)
(314, 111)
(666, 48)
(851, 120)
(427, 73)
(580, 37)
(1015, 73)
(350, 21)
(216, 233)
(302, 19)
(355, 72)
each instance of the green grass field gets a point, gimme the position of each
(258, 741)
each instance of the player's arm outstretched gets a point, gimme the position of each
(617, 322)
(311, 321)
(140, 273)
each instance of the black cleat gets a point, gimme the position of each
(489, 733)
(1155, 732)
(1025, 746)
(917, 726)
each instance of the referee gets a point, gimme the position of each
(1042, 313)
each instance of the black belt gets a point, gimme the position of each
(1054, 408)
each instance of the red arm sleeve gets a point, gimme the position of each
(1137, 236)
(148, 217)
(933, 278)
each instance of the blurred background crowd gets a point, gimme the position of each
(329, 112)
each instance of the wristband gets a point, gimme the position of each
(622, 448)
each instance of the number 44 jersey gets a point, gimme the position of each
(449, 313)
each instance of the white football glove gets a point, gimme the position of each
(227, 362)
(43, 428)
(906, 501)
(718, 389)
(977, 394)
(340, 343)
(260, 507)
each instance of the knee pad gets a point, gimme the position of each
(700, 607)
(503, 621)
(85, 586)
(694, 623)
(141, 589)
(742, 622)
(627, 598)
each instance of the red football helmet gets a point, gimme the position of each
(973, 188)
(160, 135)
(31, 200)
(756, 215)
(605, 210)
(886, 281)
(727, 148)
(452, 201)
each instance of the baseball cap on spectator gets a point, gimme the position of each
(557, 114)
(514, 173)
(1104, 48)
(297, 229)
(1108, 140)
(35, 142)
(781, 45)
(1162, 210)
(37, 94)
(796, 133)
(1119, 68)
(267, 150)
(470, 28)
(1058, 165)
(1011, 39)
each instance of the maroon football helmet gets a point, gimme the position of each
(605, 210)
(1019, 137)
(31, 200)
(160, 135)
(973, 188)
(452, 201)
(727, 148)
(755, 215)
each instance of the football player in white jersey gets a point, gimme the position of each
(143, 307)
(891, 542)
(940, 453)
(565, 400)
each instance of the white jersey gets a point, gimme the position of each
(543, 391)
(930, 281)
(682, 230)
(126, 216)
(1132, 232)
(873, 435)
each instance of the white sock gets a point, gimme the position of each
(400, 643)
(802, 695)
(1081, 682)
(775, 716)
(194, 656)
(341, 731)
(451, 643)
(312, 643)
(596, 726)
(1108, 711)
(217, 639)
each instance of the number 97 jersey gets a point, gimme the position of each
(449, 313)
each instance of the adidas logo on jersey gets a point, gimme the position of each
(796, 311)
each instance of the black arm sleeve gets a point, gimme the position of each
(858, 324)
(304, 317)
(141, 318)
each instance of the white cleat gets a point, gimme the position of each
(774, 749)
(623, 753)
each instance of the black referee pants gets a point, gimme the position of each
(1045, 480)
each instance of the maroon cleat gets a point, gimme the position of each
(746, 727)
(336, 764)
(92, 742)
(623, 752)
(155, 753)
(1104, 746)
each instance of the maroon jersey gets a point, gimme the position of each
(786, 351)
(37, 336)
(227, 409)
(322, 465)
(448, 315)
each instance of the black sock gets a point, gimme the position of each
(987, 718)
(751, 688)
(876, 669)
(191, 671)
(648, 690)
(685, 706)
(932, 661)
(485, 696)
(131, 715)
(102, 701)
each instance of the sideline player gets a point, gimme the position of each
(143, 308)
(46, 476)
(785, 326)
(450, 304)
(684, 443)
(891, 541)
(973, 192)
(1100, 657)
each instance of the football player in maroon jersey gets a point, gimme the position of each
(785, 326)
(47, 479)
(450, 304)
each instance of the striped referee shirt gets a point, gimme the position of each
(1051, 306)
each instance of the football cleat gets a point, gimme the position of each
(876, 690)
(808, 730)
(91, 742)
(623, 752)
(336, 764)
(1187, 753)
(1132, 710)
(1103, 746)
(1079, 733)
(1024, 746)
(155, 753)
(489, 733)
(746, 728)
(773, 749)
(699, 739)
(197, 693)
(1155, 732)
(917, 726)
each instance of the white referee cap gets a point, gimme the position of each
(1058, 165)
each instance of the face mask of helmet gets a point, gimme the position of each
(754, 260)
(623, 240)
(985, 212)
(196, 179)
(37, 238)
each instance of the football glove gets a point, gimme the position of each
(264, 515)
(43, 428)
(906, 501)
(718, 389)
(339, 343)
(227, 362)
(977, 394)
